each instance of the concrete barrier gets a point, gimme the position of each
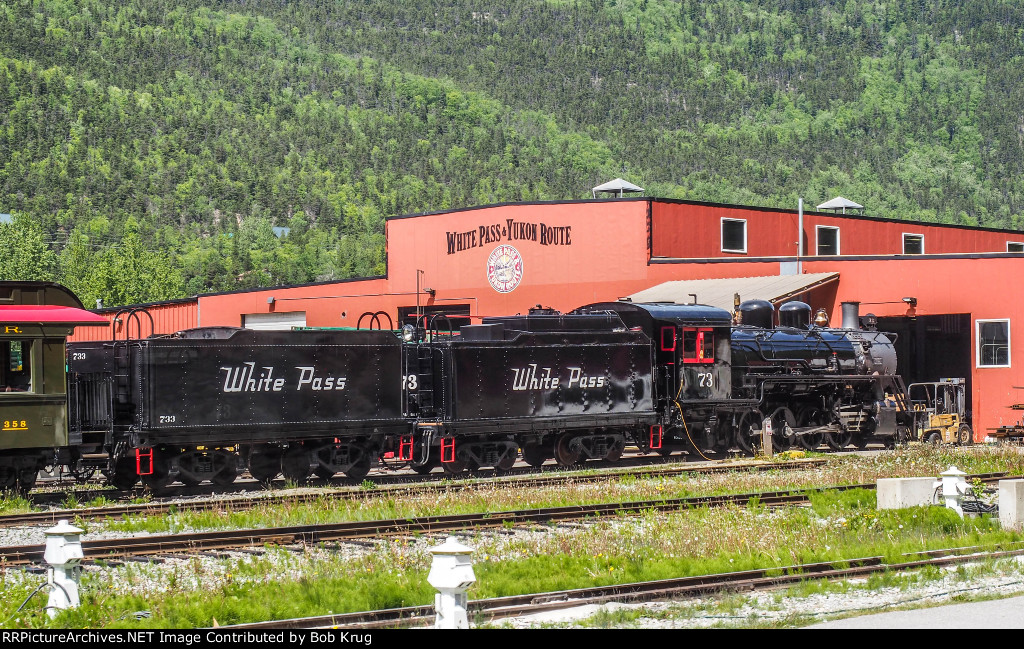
(897, 493)
(1011, 503)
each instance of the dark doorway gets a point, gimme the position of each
(932, 347)
(457, 315)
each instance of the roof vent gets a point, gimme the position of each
(617, 186)
(840, 205)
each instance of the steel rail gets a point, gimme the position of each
(115, 549)
(517, 605)
(353, 493)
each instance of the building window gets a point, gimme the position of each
(734, 235)
(913, 244)
(828, 240)
(1014, 246)
(993, 343)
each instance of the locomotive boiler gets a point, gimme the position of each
(816, 384)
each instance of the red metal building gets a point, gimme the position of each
(944, 289)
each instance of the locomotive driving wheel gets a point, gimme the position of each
(839, 441)
(748, 432)
(807, 417)
(781, 418)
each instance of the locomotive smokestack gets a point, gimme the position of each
(851, 315)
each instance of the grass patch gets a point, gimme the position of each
(646, 546)
(11, 503)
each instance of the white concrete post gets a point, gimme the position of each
(451, 573)
(766, 436)
(64, 554)
(1011, 504)
(954, 487)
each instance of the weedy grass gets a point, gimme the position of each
(645, 546)
(610, 619)
(377, 503)
(11, 503)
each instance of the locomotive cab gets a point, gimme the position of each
(691, 346)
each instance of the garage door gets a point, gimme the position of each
(274, 321)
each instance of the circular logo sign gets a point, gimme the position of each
(505, 268)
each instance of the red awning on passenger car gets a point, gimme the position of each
(48, 314)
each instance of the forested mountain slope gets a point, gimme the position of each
(147, 148)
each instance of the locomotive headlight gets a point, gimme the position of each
(408, 333)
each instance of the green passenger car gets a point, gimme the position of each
(35, 321)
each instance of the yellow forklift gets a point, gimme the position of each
(938, 412)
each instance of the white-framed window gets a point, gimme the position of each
(734, 235)
(993, 338)
(1015, 246)
(827, 240)
(913, 244)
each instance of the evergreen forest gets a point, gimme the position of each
(152, 149)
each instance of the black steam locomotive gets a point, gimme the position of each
(206, 404)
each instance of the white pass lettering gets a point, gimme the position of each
(245, 378)
(533, 378)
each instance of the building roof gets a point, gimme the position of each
(617, 186)
(720, 292)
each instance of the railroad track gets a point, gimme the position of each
(162, 545)
(485, 610)
(191, 542)
(50, 517)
